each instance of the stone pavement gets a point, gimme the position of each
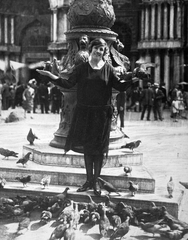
(164, 145)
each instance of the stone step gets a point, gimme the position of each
(77, 176)
(47, 155)
(173, 205)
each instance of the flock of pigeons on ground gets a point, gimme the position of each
(113, 219)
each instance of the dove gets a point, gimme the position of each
(25, 159)
(170, 187)
(132, 145)
(104, 222)
(23, 225)
(133, 188)
(150, 227)
(121, 230)
(127, 169)
(45, 216)
(59, 232)
(108, 186)
(31, 137)
(24, 180)
(45, 181)
(8, 153)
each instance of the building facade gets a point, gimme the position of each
(152, 30)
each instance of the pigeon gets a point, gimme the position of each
(92, 206)
(151, 227)
(108, 186)
(23, 225)
(59, 232)
(45, 181)
(170, 187)
(25, 159)
(24, 180)
(104, 222)
(121, 230)
(115, 221)
(2, 182)
(133, 188)
(45, 216)
(132, 145)
(8, 153)
(61, 196)
(70, 233)
(127, 170)
(31, 137)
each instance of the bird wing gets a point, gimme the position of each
(120, 59)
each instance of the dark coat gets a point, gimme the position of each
(158, 96)
(91, 123)
(147, 96)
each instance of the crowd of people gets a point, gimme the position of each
(45, 98)
(153, 98)
(33, 97)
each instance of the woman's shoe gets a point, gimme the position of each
(86, 186)
(97, 188)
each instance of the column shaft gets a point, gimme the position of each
(171, 20)
(153, 21)
(142, 25)
(179, 20)
(54, 25)
(159, 21)
(157, 68)
(6, 29)
(167, 71)
(165, 28)
(12, 30)
(176, 67)
(0, 28)
(147, 23)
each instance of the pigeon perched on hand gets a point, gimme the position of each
(31, 137)
(8, 153)
(25, 159)
(24, 180)
(133, 188)
(132, 145)
(108, 186)
(127, 169)
(170, 187)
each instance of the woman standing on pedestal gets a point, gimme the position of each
(90, 128)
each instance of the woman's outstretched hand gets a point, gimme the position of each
(47, 73)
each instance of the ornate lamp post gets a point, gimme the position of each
(94, 19)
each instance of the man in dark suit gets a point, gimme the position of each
(157, 102)
(121, 101)
(147, 101)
